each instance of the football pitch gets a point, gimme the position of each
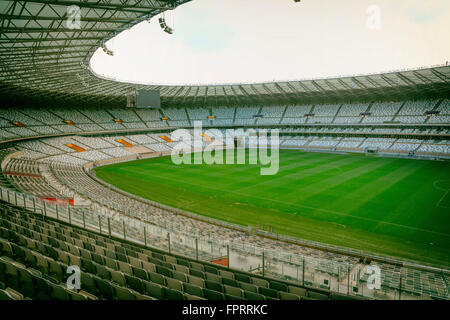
(388, 206)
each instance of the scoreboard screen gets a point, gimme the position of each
(148, 99)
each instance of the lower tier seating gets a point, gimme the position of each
(35, 254)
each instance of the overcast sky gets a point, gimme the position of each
(236, 41)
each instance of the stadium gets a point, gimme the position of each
(358, 208)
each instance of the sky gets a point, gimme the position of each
(251, 41)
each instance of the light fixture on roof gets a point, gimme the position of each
(164, 26)
(106, 50)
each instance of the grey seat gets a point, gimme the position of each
(288, 296)
(193, 289)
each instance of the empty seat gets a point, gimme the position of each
(253, 296)
(154, 290)
(317, 295)
(260, 282)
(88, 266)
(125, 267)
(122, 293)
(336, 296)
(197, 266)
(135, 262)
(174, 284)
(302, 292)
(182, 269)
(134, 283)
(213, 295)
(172, 294)
(105, 289)
(213, 277)
(288, 296)
(179, 276)
(248, 287)
(197, 281)
(163, 270)
(58, 292)
(278, 286)
(148, 266)
(193, 289)
(233, 291)
(5, 295)
(75, 295)
(197, 273)
(268, 292)
(140, 273)
(118, 277)
(157, 278)
(226, 274)
(230, 282)
(212, 285)
(10, 294)
(242, 277)
(103, 272)
(88, 283)
(192, 297)
(170, 259)
(210, 269)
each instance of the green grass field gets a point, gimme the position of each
(396, 207)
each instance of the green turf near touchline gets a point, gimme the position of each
(391, 206)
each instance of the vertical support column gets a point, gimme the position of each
(228, 256)
(303, 272)
(124, 232)
(57, 211)
(84, 220)
(34, 205)
(196, 248)
(168, 240)
(263, 264)
(348, 280)
(15, 197)
(109, 227)
(145, 236)
(100, 223)
(45, 208)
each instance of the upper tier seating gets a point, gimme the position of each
(149, 115)
(352, 109)
(223, 113)
(175, 114)
(198, 114)
(38, 122)
(327, 110)
(385, 109)
(412, 108)
(246, 113)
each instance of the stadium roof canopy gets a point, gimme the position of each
(44, 63)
